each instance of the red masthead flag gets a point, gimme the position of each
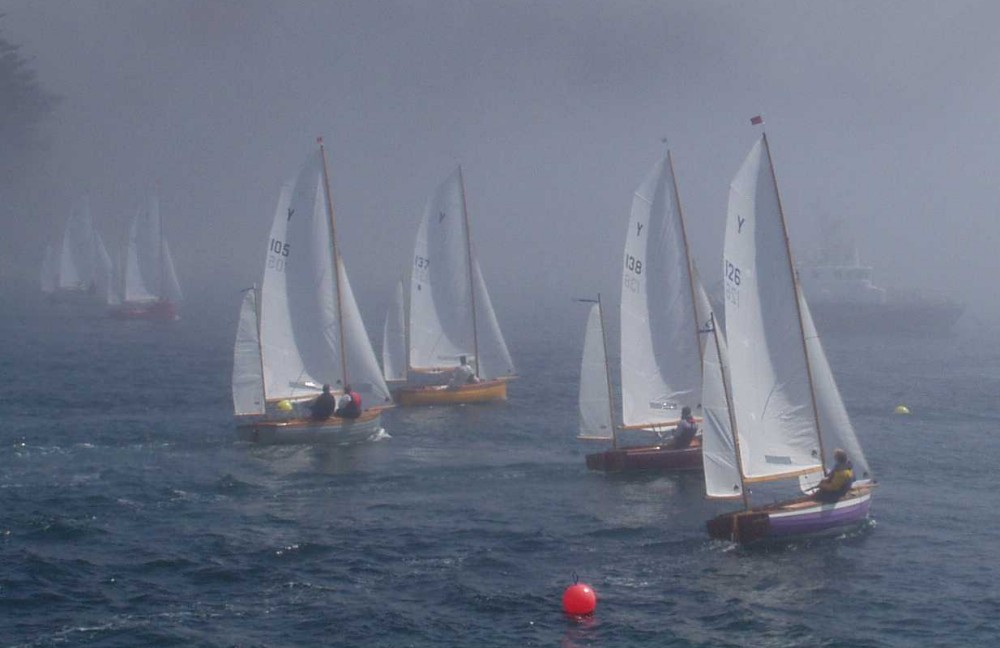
(757, 121)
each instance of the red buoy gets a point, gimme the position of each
(579, 598)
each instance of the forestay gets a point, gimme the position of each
(248, 380)
(770, 386)
(660, 347)
(394, 338)
(594, 398)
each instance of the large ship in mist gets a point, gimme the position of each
(845, 300)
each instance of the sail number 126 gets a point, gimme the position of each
(732, 274)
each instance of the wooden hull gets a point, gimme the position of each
(333, 431)
(158, 310)
(483, 392)
(642, 458)
(796, 519)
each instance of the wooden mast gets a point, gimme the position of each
(260, 343)
(798, 305)
(472, 279)
(336, 263)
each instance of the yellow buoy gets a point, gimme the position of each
(286, 405)
(902, 409)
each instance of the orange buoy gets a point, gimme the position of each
(579, 598)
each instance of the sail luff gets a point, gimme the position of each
(798, 304)
(468, 254)
(696, 324)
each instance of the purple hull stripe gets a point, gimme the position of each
(817, 519)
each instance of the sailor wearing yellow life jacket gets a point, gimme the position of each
(838, 482)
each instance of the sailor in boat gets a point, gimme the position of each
(350, 404)
(324, 406)
(462, 374)
(838, 482)
(684, 433)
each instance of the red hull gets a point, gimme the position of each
(161, 310)
(647, 458)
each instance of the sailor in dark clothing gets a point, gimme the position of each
(323, 407)
(686, 428)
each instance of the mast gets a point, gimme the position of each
(260, 344)
(336, 261)
(472, 280)
(607, 373)
(798, 306)
(687, 258)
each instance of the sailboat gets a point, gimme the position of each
(778, 417)
(663, 312)
(451, 315)
(148, 284)
(81, 264)
(305, 330)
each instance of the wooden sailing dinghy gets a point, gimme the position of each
(307, 330)
(663, 311)
(148, 288)
(451, 315)
(778, 416)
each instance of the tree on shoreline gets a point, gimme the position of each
(23, 102)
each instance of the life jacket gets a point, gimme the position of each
(840, 480)
(355, 401)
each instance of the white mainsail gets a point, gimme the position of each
(660, 346)
(771, 394)
(394, 338)
(595, 392)
(310, 335)
(248, 379)
(445, 324)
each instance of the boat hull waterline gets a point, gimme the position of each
(332, 431)
(640, 458)
(801, 518)
(482, 392)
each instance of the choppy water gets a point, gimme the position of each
(130, 516)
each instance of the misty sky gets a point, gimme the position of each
(882, 113)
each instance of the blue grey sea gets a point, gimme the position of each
(131, 516)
